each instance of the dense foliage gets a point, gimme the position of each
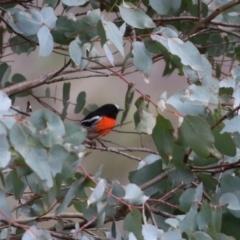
(190, 187)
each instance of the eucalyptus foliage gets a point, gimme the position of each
(190, 187)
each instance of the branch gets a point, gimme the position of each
(202, 24)
(115, 150)
(156, 179)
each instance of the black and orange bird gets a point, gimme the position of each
(101, 121)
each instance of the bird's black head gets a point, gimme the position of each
(108, 110)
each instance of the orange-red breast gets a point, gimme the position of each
(101, 121)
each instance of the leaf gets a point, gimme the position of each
(186, 199)
(142, 59)
(75, 133)
(146, 119)
(231, 199)
(50, 127)
(197, 134)
(232, 125)
(201, 236)
(34, 233)
(5, 71)
(64, 111)
(224, 143)
(56, 158)
(150, 232)
(17, 184)
(46, 42)
(48, 92)
(108, 53)
(76, 186)
(187, 52)
(49, 17)
(73, 3)
(114, 35)
(133, 223)
(135, 17)
(81, 101)
(75, 52)
(28, 21)
(134, 195)
(66, 91)
(188, 224)
(128, 101)
(163, 137)
(5, 213)
(148, 160)
(5, 102)
(5, 156)
(98, 192)
(209, 219)
(101, 33)
(164, 6)
(170, 235)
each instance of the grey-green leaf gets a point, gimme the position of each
(45, 39)
(5, 155)
(75, 52)
(142, 59)
(73, 3)
(135, 17)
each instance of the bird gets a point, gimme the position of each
(101, 121)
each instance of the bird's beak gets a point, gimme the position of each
(121, 109)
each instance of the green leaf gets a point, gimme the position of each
(66, 91)
(135, 17)
(48, 92)
(29, 21)
(133, 223)
(19, 45)
(146, 120)
(229, 223)
(134, 195)
(187, 199)
(142, 59)
(34, 233)
(182, 173)
(197, 134)
(73, 3)
(128, 101)
(64, 111)
(75, 52)
(5, 213)
(101, 33)
(75, 133)
(5, 71)
(209, 219)
(50, 127)
(188, 224)
(224, 143)
(163, 137)
(81, 101)
(17, 184)
(46, 42)
(5, 156)
(76, 186)
(49, 17)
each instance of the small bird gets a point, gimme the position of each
(101, 121)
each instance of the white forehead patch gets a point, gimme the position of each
(116, 106)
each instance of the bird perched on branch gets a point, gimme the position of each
(101, 121)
